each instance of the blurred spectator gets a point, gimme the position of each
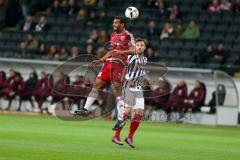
(226, 5)
(74, 52)
(16, 88)
(78, 85)
(150, 54)
(60, 86)
(28, 24)
(89, 49)
(5, 87)
(39, 5)
(177, 97)
(81, 17)
(174, 12)
(102, 17)
(71, 8)
(192, 31)
(92, 17)
(43, 49)
(56, 8)
(42, 90)
(152, 29)
(158, 98)
(10, 79)
(2, 5)
(152, 3)
(3, 84)
(3, 79)
(52, 51)
(42, 24)
(13, 13)
(104, 3)
(93, 36)
(195, 99)
(203, 58)
(179, 29)
(30, 43)
(162, 9)
(78, 81)
(167, 31)
(90, 2)
(25, 5)
(102, 38)
(28, 90)
(219, 55)
(62, 55)
(214, 6)
(236, 6)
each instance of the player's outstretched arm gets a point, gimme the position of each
(101, 60)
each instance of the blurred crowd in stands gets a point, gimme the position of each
(39, 89)
(22, 14)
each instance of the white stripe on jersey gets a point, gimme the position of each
(135, 67)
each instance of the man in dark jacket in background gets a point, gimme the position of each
(177, 97)
(195, 99)
(15, 89)
(42, 90)
(27, 93)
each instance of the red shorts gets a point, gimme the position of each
(112, 71)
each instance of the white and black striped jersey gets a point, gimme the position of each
(135, 70)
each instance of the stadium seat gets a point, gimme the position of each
(178, 44)
(189, 44)
(50, 38)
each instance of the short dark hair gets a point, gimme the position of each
(18, 74)
(141, 40)
(122, 19)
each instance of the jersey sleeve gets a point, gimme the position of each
(131, 40)
(145, 60)
(145, 63)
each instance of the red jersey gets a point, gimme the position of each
(121, 42)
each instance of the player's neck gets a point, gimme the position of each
(120, 32)
(140, 54)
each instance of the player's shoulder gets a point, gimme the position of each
(145, 58)
(127, 33)
(131, 57)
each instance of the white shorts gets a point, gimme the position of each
(133, 97)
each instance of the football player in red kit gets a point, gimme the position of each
(115, 63)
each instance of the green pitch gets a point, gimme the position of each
(48, 138)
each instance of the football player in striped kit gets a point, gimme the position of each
(133, 93)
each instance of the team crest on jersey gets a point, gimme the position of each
(122, 38)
